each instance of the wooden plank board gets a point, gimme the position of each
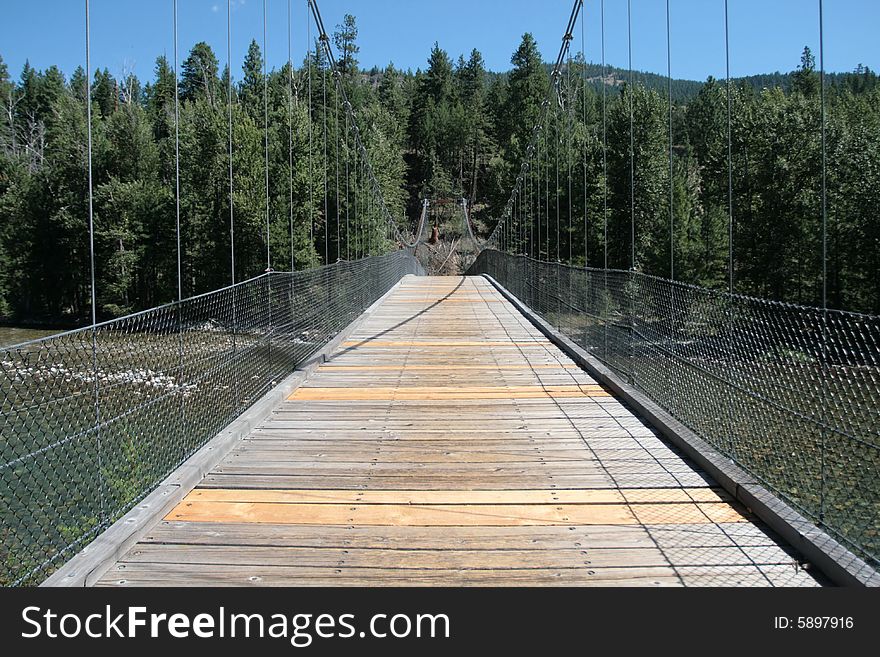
(446, 442)
(127, 574)
(401, 538)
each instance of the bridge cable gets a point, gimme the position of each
(231, 197)
(669, 103)
(347, 188)
(177, 158)
(336, 157)
(181, 404)
(632, 146)
(729, 153)
(93, 292)
(632, 192)
(229, 107)
(604, 146)
(265, 134)
(325, 162)
(542, 194)
(547, 182)
(824, 196)
(266, 137)
(568, 131)
(290, 140)
(557, 141)
(583, 83)
(311, 140)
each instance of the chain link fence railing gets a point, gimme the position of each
(92, 420)
(790, 393)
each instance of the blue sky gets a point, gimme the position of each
(766, 35)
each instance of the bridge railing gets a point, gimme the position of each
(790, 393)
(92, 420)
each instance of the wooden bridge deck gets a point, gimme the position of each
(449, 443)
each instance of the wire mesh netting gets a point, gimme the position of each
(790, 393)
(93, 420)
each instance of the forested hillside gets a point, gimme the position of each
(450, 130)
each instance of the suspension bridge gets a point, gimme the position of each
(531, 422)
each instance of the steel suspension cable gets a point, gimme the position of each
(326, 164)
(824, 190)
(236, 385)
(311, 139)
(729, 153)
(569, 130)
(336, 154)
(556, 148)
(290, 137)
(93, 291)
(632, 146)
(604, 145)
(347, 189)
(540, 163)
(229, 106)
(824, 197)
(547, 186)
(669, 102)
(181, 405)
(177, 160)
(265, 128)
(583, 83)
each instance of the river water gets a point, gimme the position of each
(10, 335)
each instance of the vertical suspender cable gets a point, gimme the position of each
(824, 193)
(266, 131)
(604, 187)
(229, 107)
(266, 149)
(669, 102)
(730, 284)
(231, 195)
(311, 147)
(290, 138)
(325, 165)
(632, 194)
(604, 146)
(536, 200)
(94, 298)
(89, 153)
(179, 313)
(556, 142)
(632, 146)
(336, 153)
(547, 184)
(347, 188)
(177, 159)
(568, 131)
(584, 145)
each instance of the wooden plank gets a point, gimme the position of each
(540, 496)
(348, 557)
(436, 515)
(445, 344)
(546, 537)
(449, 393)
(151, 574)
(369, 369)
